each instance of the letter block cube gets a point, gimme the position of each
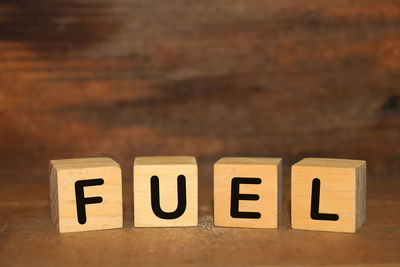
(85, 194)
(165, 191)
(328, 194)
(247, 192)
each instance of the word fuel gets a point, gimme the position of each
(326, 194)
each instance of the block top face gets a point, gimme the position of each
(328, 162)
(248, 161)
(167, 160)
(69, 164)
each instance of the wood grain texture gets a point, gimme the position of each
(268, 205)
(167, 169)
(107, 214)
(127, 78)
(25, 218)
(342, 192)
(121, 78)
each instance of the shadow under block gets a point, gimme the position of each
(165, 192)
(96, 179)
(236, 177)
(340, 204)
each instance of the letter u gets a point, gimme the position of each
(155, 198)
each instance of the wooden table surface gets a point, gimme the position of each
(212, 78)
(28, 237)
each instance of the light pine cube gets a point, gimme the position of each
(247, 192)
(85, 194)
(165, 191)
(328, 194)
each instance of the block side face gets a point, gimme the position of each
(104, 215)
(144, 215)
(267, 204)
(78, 163)
(358, 204)
(54, 207)
(330, 162)
(364, 192)
(165, 160)
(280, 194)
(293, 190)
(337, 196)
(361, 195)
(248, 161)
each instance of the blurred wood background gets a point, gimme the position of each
(122, 78)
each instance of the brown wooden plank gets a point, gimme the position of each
(129, 78)
(28, 237)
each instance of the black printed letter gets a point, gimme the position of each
(315, 215)
(236, 196)
(155, 199)
(81, 201)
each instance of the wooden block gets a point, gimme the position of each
(328, 194)
(85, 194)
(165, 191)
(247, 192)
